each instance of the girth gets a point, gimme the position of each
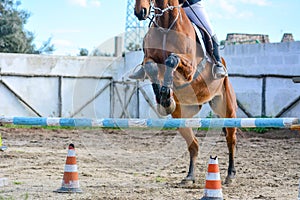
(200, 68)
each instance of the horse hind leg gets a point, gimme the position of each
(231, 107)
(225, 106)
(230, 134)
(190, 139)
(193, 148)
(231, 144)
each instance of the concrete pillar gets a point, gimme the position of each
(118, 46)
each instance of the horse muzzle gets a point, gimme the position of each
(143, 14)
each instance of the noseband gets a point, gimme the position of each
(160, 12)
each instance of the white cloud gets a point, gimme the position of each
(257, 2)
(60, 42)
(82, 3)
(85, 3)
(227, 7)
(233, 8)
(95, 3)
(66, 31)
(245, 15)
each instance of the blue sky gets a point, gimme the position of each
(75, 24)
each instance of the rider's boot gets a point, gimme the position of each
(219, 70)
(140, 74)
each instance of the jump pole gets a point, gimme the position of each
(153, 123)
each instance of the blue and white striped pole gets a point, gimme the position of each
(153, 123)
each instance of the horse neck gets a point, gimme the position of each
(168, 17)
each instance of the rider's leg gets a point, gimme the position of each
(198, 15)
(219, 71)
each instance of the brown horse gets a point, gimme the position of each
(171, 62)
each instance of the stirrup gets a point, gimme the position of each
(219, 71)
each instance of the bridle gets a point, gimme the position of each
(158, 12)
(163, 10)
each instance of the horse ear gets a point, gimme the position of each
(223, 61)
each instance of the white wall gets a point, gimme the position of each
(66, 86)
(55, 85)
(249, 65)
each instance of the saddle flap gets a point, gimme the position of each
(204, 40)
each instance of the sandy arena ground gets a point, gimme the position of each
(145, 164)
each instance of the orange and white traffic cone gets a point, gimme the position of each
(70, 182)
(213, 185)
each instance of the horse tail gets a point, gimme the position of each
(230, 94)
(223, 62)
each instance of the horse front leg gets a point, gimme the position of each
(167, 101)
(151, 70)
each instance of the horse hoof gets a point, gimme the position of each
(188, 180)
(164, 111)
(161, 110)
(229, 180)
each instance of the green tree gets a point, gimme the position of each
(13, 36)
(83, 52)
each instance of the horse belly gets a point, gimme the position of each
(192, 96)
(198, 91)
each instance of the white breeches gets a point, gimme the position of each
(199, 10)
